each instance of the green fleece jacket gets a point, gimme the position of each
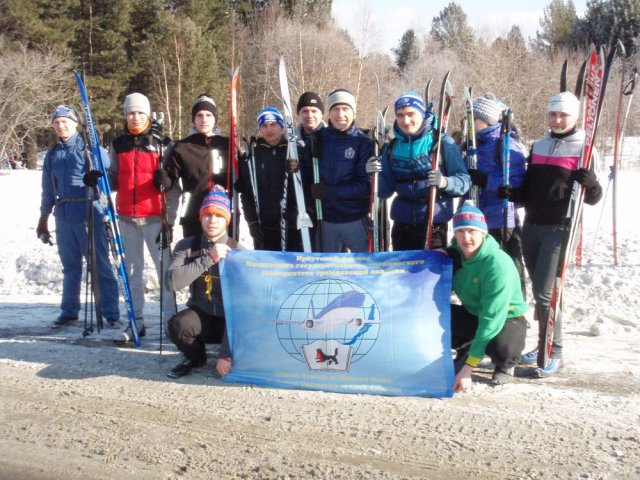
(488, 286)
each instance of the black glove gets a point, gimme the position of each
(478, 178)
(436, 179)
(156, 131)
(255, 229)
(292, 166)
(586, 178)
(167, 238)
(91, 178)
(505, 191)
(454, 254)
(318, 191)
(42, 230)
(161, 179)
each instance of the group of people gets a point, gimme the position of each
(149, 173)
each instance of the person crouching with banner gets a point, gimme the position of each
(491, 317)
(194, 262)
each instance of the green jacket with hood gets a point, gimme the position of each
(488, 286)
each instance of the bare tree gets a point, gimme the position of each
(31, 84)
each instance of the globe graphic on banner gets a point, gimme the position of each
(328, 310)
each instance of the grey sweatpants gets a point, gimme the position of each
(135, 236)
(541, 251)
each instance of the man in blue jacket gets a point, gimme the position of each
(342, 150)
(405, 169)
(64, 193)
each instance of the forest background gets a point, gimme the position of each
(173, 51)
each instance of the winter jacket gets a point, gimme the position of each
(200, 165)
(488, 286)
(406, 162)
(134, 158)
(489, 154)
(547, 185)
(342, 158)
(270, 174)
(62, 186)
(192, 266)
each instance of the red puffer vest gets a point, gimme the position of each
(137, 160)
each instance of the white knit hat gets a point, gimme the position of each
(565, 102)
(488, 109)
(342, 97)
(137, 102)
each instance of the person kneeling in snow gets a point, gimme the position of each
(491, 317)
(195, 263)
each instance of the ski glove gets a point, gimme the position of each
(91, 178)
(436, 179)
(586, 178)
(156, 131)
(374, 165)
(318, 191)
(478, 178)
(168, 236)
(292, 166)
(161, 179)
(505, 191)
(454, 254)
(42, 230)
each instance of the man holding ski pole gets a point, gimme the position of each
(65, 193)
(553, 167)
(405, 169)
(488, 176)
(132, 173)
(260, 187)
(199, 160)
(343, 186)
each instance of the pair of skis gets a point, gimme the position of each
(110, 217)
(379, 228)
(304, 223)
(442, 120)
(596, 82)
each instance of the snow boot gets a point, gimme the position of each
(63, 321)
(553, 368)
(502, 376)
(127, 335)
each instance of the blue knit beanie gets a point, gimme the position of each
(411, 99)
(64, 111)
(469, 216)
(270, 114)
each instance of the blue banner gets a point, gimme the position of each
(354, 323)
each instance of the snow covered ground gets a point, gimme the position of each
(81, 408)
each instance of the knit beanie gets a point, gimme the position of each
(469, 216)
(411, 99)
(488, 109)
(565, 102)
(64, 111)
(310, 99)
(270, 114)
(137, 102)
(204, 102)
(216, 202)
(342, 97)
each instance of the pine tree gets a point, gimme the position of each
(556, 26)
(407, 51)
(451, 30)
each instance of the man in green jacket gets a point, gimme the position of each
(491, 318)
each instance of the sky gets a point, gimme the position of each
(390, 19)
